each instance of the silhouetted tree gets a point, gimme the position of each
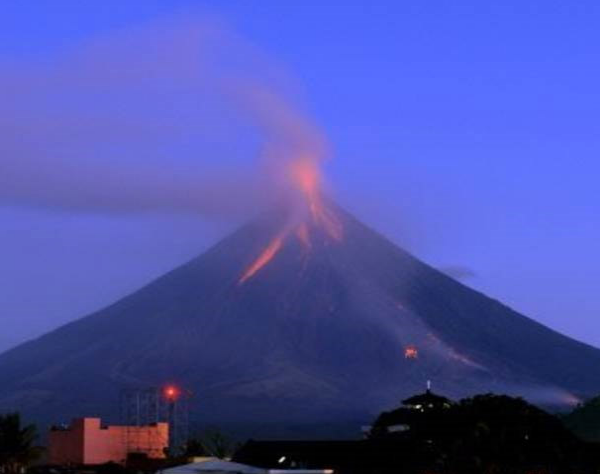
(17, 450)
(194, 447)
(217, 444)
(508, 434)
(584, 420)
(490, 434)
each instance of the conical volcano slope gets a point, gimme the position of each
(298, 325)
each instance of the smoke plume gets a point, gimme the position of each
(176, 116)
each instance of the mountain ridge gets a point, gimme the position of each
(318, 332)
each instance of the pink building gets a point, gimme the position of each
(87, 442)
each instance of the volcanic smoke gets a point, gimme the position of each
(296, 149)
(249, 102)
(305, 176)
(202, 123)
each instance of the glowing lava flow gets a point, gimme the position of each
(411, 352)
(305, 174)
(306, 178)
(265, 257)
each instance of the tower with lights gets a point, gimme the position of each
(169, 403)
(176, 413)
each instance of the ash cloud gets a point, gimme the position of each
(177, 116)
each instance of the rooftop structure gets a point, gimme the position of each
(413, 409)
(427, 401)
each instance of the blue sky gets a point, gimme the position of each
(466, 131)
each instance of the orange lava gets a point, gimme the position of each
(306, 176)
(411, 352)
(265, 257)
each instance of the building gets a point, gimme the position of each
(219, 466)
(383, 456)
(215, 466)
(416, 409)
(391, 446)
(427, 401)
(87, 442)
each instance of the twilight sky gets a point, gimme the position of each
(467, 132)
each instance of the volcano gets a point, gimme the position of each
(323, 321)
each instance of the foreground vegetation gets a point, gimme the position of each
(17, 448)
(490, 434)
(584, 421)
(485, 434)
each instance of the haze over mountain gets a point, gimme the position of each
(298, 317)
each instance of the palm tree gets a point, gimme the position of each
(17, 450)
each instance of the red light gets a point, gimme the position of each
(171, 392)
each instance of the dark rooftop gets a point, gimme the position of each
(344, 457)
(427, 399)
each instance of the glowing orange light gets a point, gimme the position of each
(171, 392)
(265, 257)
(305, 175)
(411, 352)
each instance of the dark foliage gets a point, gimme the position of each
(217, 444)
(584, 421)
(493, 434)
(486, 434)
(17, 449)
(193, 448)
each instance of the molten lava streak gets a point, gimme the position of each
(265, 257)
(305, 176)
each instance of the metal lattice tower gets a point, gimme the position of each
(140, 407)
